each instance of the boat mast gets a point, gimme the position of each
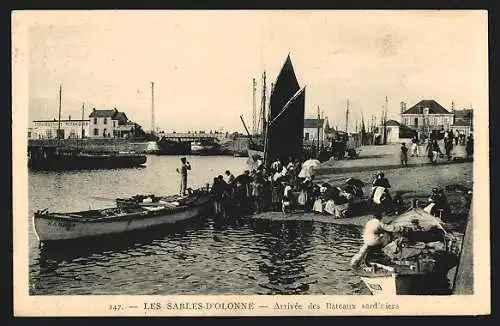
(347, 116)
(385, 120)
(263, 109)
(254, 112)
(83, 110)
(319, 127)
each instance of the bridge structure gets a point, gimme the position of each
(194, 137)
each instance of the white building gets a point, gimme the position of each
(109, 123)
(47, 129)
(311, 126)
(427, 117)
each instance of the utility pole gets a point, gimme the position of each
(59, 119)
(152, 108)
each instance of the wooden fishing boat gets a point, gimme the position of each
(419, 264)
(130, 214)
(282, 133)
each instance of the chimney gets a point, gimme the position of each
(403, 107)
(69, 118)
(453, 107)
(93, 109)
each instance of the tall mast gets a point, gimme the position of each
(385, 120)
(59, 123)
(254, 113)
(152, 108)
(83, 110)
(319, 127)
(263, 101)
(347, 116)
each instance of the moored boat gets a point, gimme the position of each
(205, 147)
(130, 214)
(172, 147)
(416, 261)
(52, 158)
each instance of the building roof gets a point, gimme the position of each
(103, 113)
(434, 108)
(463, 114)
(121, 117)
(313, 123)
(392, 123)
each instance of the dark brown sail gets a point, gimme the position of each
(285, 132)
(285, 87)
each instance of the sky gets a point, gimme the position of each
(203, 62)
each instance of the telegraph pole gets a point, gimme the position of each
(59, 123)
(152, 108)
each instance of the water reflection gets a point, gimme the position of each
(206, 255)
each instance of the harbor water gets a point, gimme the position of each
(207, 255)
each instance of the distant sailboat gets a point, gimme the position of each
(283, 131)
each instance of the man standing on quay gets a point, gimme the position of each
(185, 166)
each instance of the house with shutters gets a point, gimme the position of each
(109, 123)
(427, 118)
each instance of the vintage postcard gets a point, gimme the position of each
(250, 163)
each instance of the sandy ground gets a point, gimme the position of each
(413, 182)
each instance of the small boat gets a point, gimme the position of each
(55, 159)
(419, 264)
(130, 214)
(208, 146)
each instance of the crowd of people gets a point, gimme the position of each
(433, 150)
(282, 187)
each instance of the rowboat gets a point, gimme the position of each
(416, 262)
(130, 214)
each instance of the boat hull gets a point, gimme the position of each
(427, 284)
(53, 229)
(168, 147)
(89, 161)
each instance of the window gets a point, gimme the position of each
(96, 132)
(114, 123)
(416, 122)
(83, 133)
(105, 121)
(306, 137)
(95, 121)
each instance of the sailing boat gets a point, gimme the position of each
(284, 129)
(51, 157)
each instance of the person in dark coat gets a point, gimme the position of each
(448, 146)
(469, 147)
(404, 155)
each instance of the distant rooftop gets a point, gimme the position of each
(434, 108)
(313, 123)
